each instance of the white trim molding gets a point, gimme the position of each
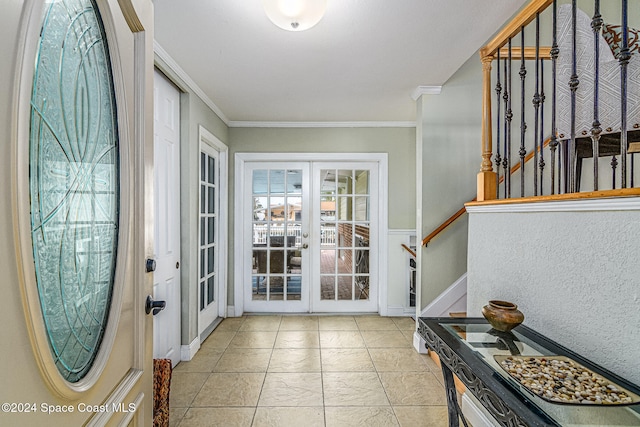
(192, 85)
(363, 124)
(580, 205)
(425, 90)
(188, 351)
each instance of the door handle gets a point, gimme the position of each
(155, 306)
(305, 246)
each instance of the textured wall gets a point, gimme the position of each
(575, 276)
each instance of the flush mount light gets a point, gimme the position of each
(295, 15)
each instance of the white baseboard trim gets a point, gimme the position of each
(419, 343)
(231, 311)
(188, 351)
(400, 311)
(454, 298)
(475, 413)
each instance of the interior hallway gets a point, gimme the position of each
(309, 371)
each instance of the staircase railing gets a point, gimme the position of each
(586, 117)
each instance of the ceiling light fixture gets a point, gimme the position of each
(295, 15)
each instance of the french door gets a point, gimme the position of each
(209, 227)
(311, 237)
(278, 237)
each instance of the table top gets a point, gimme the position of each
(475, 343)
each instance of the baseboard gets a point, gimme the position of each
(399, 311)
(188, 351)
(419, 343)
(231, 311)
(475, 413)
(454, 298)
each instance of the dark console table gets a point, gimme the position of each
(466, 348)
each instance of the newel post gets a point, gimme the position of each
(486, 177)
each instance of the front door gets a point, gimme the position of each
(166, 278)
(77, 213)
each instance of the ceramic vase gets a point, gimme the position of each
(502, 315)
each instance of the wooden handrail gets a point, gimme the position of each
(526, 15)
(408, 249)
(444, 225)
(460, 212)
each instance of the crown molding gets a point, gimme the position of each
(425, 90)
(188, 81)
(249, 124)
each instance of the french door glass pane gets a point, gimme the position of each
(208, 214)
(277, 216)
(344, 254)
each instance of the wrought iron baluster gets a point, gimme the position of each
(553, 144)
(596, 129)
(614, 165)
(523, 124)
(542, 164)
(536, 107)
(573, 85)
(498, 159)
(509, 118)
(625, 56)
(505, 161)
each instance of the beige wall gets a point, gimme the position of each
(398, 142)
(450, 129)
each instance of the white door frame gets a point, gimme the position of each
(208, 139)
(240, 205)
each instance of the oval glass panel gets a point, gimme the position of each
(74, 182)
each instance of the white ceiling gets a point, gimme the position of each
(362, 61)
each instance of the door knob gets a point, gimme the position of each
(155, 306)
(150, 265)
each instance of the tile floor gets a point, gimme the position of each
(309, 371)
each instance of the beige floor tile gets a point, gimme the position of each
(218, 417)
(375, 323)
(385, 339)
(397, 359)
(204, 361)
(408, 335)
(244, 360)
(217, 339)
(184, 387)
(424, 416)
(230, 324)
(433, 367)
(291, 389)
(405, 323)
(299, 323)
(337, 323)
(297, 339)
(295, 360)
(341, 339)
(230, 389)
(175, 416)
(361, 417)
(402, 387)
(289, 417)
(346, 360)
(245, 339)
(353, 389)
(261, 323)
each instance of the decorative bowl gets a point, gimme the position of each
(502, 315)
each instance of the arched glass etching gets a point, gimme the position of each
(74, 182)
